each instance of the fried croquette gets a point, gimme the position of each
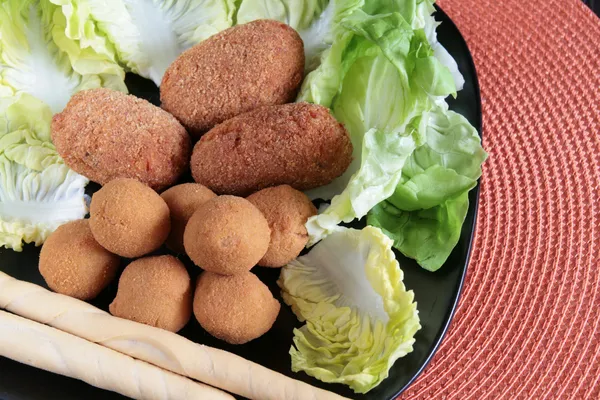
(298, 144)
(183, 200)
(74, 264)
(286, 210)
(237, 70)
(128, 218)
(236, 309)
(227, 235)
(103, 134)
(155, 291)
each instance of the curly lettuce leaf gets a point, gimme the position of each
(423, 19)
(385, 88)
(424, 215)
(317, 21)
(38, 192)
(382, 157)
(446, 165)
(419, 14)
(359, 316)
(149, 34)
(427, 236)
(38, 56)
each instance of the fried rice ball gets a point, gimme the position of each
(227, 235)
(237, 70)
(155, 291)
(286, 210)
(103, 134)
(183, 200)
(74, 264)
(236, 309)
(128, 218)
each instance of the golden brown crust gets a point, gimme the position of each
(286, 210)
(226, 235)
(244, 67)
(74, 264)
(104, 134)
(155, 291)
(298, 144)
(236, 308)
(128, 218)
(183, 200)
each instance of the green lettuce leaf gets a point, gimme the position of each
(423, 19)
(446, 165)
(39, 56)
(149, 34)
(359, 316)
(384, 88)
(424, 215)
(419, 14)
(428, 236)
(38, 192)
(317, 21)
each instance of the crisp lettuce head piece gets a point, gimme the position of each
(419, 14)
(40, 56)
(425, 214)
(359, 316)
(38, 192)
(389, 78)
(149, 34)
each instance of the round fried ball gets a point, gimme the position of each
(227, 235)
(286, 210)
(155, 291)
(128, 218)
(183, 200)
(236, 308)
(74, 264)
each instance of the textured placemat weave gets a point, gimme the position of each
(528, 323)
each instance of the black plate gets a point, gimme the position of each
(436, 293)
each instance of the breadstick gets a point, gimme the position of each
(47, 348)
(167, 350)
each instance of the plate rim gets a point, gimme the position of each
(473, 197)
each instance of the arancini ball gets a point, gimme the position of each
(286, 210)
(183, 200)
(227, 235)
(155, 291)
(128, 218)
(74, 264)
(236, 309)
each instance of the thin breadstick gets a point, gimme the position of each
(167, 350)
(56, 351)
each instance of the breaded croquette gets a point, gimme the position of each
(244, 67)
(300, 144)
(103, 134)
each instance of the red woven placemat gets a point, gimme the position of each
(528, 323)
